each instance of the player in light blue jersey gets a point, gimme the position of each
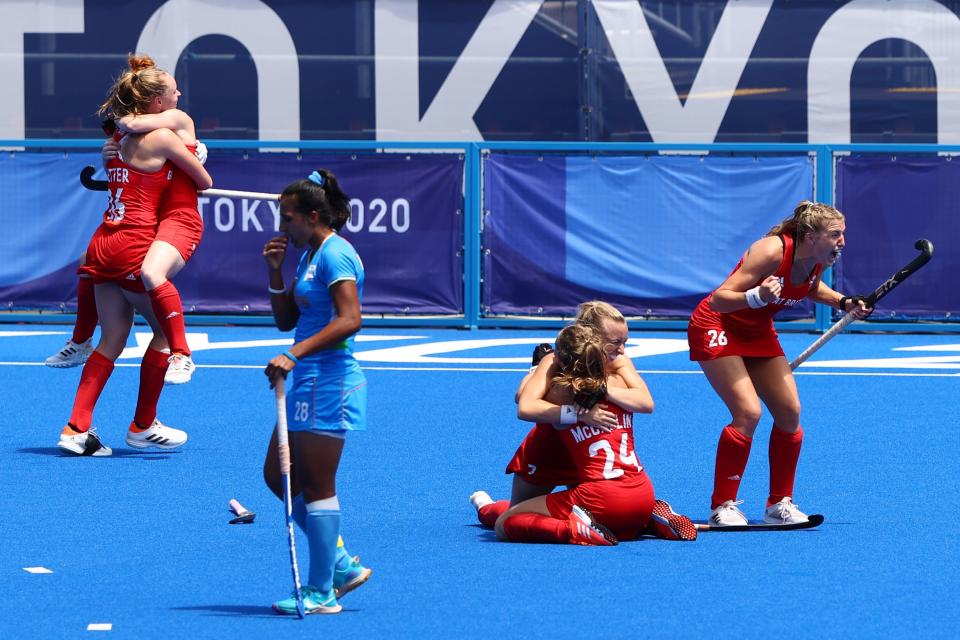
(328, 394)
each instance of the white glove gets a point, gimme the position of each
(201, 152)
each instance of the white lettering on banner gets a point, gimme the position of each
(853, 28)
(253, 24)
(275, 210)
(247, 217)
(668, 119)
(218, 206)
(399, 216)
(397, 70)
(17, 18)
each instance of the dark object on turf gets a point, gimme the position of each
(812, 521)
(243, 516)
(926, 252)
(92, 444)
(86, 179)
(539, 351)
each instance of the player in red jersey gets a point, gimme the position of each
(178, 234)
(179, 231)
(542, 463)
(114, 258)
(590, 400)
(731, 335)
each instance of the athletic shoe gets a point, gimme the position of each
(349, 577)
(665, 523)
(314, 601)
(480, 499)
(83, 444)
(584, 530)
(728, 515)
(539, 351)
(158, 435)
(784, 512)
(72, 355)
(180, 370)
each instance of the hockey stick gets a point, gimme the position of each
(283, 449)
(926, 252)
(814, 520)
(87, 180)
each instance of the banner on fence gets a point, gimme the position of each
(650, 234)
(406, 224)
(890, 202)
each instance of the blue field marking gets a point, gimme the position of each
(141, 540)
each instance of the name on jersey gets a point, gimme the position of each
(118, 174)
(584, 432)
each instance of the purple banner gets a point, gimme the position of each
(406, 226)
(890, 202)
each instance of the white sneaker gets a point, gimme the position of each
(72, 355)
(180, 370)
(784, 512)
(728, 515)
(480, 499)
(84, 444)
(158, 435)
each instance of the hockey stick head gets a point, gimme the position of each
(88, 182)
(925, 247)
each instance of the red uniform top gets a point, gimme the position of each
(120, 244)
(182, 193)
(134, 195)
(753, 323)
(599, 455)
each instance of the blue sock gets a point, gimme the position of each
(299, 512)
(322, 529)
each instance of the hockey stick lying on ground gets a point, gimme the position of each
(88, 181)
(283, 449)
(814, 520)
(926, 251)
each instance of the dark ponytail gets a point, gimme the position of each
(321, 193)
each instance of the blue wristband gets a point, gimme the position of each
(294, 359)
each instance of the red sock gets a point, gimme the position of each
(165, 300)
(152, 369)
(784, 453)
(488, 514)
(534, 527)
(86, 311)
(95, 374)
(732, 453)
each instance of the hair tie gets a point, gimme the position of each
(316, 177)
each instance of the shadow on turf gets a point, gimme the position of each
(117, 453)
(247, 610)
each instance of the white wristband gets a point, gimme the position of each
(276, 291)
(568, 414)
(754, 301)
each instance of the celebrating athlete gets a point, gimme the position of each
(731, 335)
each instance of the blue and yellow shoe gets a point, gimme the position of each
(314, 601)
(350, 576)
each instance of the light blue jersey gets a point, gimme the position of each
(329, 389)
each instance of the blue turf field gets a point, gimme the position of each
(140, 541)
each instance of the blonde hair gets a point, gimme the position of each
(581, 361)
(591, 313)
(132, 92)
(808, 217)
